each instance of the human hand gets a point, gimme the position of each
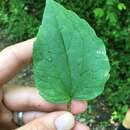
(38, 113)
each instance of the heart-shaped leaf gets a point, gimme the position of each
(69, 60)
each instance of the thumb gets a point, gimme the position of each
(52, 121)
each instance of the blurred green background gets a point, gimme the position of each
(20, 20)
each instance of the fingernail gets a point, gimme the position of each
(65, 122)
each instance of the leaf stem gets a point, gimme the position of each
(69, 106)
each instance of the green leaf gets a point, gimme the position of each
(69, 60)
(110, 2)
(124, 108)
(98, 12)
(112, 18)
(121, 6)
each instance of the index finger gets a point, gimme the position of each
(13, 58)
(30, 100)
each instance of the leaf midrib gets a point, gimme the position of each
(67, 58)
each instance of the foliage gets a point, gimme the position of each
(70, 61)
(19, 20)
(110, 19)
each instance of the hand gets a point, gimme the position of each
(38, 113)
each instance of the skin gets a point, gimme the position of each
(126, 121)
(13, 59)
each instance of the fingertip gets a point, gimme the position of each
(65, 121)
(78, 106)
(79, 126)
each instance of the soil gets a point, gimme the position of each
(98, 114)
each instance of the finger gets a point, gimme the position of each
(78, 106)
(13, 58)
(18, 98)
(32, 115)
(126, 121)
(29, 116)
(31, 100)
(52, 121)
(79, 126)
(6, 118)
(5, 114)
